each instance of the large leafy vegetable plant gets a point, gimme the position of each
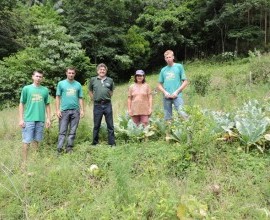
(251, 123)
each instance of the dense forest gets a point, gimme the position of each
(124, 34)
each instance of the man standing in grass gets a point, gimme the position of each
(69, 93)
(100, 90)
(34, 102)
(172, 81)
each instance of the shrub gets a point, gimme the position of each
(201, 82)
(260, 70)
(225, 57)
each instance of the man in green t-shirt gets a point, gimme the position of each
(172, 81)
(100, 90)
(69, 93)
(34, 102)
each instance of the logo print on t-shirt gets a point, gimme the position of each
(170, 76)
(71, 92)
(36, 97)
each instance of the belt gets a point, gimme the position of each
(102, 101)
(70, 109)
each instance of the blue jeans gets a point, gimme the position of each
(33, 131)
(106, 110)
(69, 118)
(178, 105)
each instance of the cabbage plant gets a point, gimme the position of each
(222, 121)
(251, 123)
(129, 131)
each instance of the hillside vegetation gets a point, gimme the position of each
(209, 168)
(126, 35)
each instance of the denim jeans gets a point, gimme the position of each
(70, 118)
(178, 105)
(33, 131)
(106, 110)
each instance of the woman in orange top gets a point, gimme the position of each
(140, 99)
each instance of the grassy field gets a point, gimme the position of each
(152, 179)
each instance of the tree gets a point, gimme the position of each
(50, 49)
(11, 28)
(137, 47)
(101, 27)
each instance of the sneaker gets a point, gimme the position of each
(94, 145)
(59, 151)
(69, 150)
(112, 145)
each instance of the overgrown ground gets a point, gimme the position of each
(148, 179)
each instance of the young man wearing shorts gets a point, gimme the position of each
(34, 103)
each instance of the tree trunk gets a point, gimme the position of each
(261, 19)
(265, 28)
(268, 27)
(185, 53)
(222, 40)
(248, 17)
(236, 46)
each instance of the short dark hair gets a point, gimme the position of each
(71, 68)
(38, 71)
(135, 80)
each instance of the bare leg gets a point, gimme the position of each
(35, 146)
(24, 155)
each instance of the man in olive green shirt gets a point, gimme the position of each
(100, 90)
(34, 102)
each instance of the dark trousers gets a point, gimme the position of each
(106, 110)
(69, 118)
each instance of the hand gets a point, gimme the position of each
(81, 114)
(150, 112)
(22, 124)
(59, 114)
(48, 123)
(129, 113)
(167, 95)
(174, 95)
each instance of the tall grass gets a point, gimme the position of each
(141, 181)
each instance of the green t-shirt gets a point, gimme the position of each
(70, 93)
(35, 99)
(171, 77)
(101, 89)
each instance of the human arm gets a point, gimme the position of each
(91, 95)
(48, 115)
(129, 106)
(91, 89)
(129, 100)
(150, 103)
(180, 89)
(21, 110)
(112, 89)
(81, 108)
(161, 88)
(57, 106)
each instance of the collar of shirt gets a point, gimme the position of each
(102, 80)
